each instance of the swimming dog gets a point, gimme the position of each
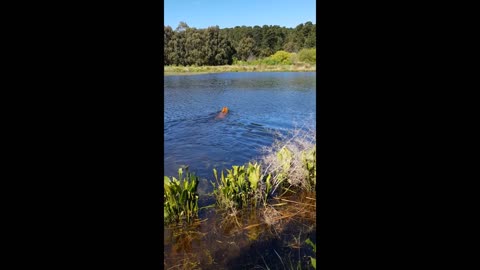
(223, 113)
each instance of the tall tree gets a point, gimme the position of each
(167, 50)
(246, 48)
(214, 46)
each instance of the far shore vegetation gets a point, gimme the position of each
(188, 50)
(282, 61)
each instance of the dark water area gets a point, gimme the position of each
(261, 104)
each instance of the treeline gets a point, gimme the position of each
(214, 46)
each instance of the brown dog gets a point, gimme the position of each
(223, 113)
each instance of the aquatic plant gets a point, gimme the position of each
(240, 187)
(314, 246)
(284, 158)
(310, 164)
(180, 198)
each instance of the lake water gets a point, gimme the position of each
(260, 105)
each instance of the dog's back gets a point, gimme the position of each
(223, 113)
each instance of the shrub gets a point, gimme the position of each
(236, 61)
(269, 61)
(279, 58)
(293, 58)
(282, 57)
(180, 198)
(308, 55)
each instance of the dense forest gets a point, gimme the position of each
(214, 46)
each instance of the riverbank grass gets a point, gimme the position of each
(189, 70)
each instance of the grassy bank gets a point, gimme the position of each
(189, 70)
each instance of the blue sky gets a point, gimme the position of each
(231, 13)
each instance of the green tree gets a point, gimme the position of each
(214, 46)
(310, 35)
(246, 48)
(194, 42)
(290, 46)
(167, 49)
(225, 51)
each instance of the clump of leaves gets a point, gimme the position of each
(240, 187)
(180, 197)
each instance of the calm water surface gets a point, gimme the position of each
(260, 104)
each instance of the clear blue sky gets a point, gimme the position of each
(231, 13)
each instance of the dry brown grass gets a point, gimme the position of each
(297, 142)
(271, 215)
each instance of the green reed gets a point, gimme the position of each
(180, 197)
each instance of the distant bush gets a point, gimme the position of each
(293, 58)
(279, 58)
(282, 57)
(308, 55)
(269, 61)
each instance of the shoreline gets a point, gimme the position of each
(197, 70)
